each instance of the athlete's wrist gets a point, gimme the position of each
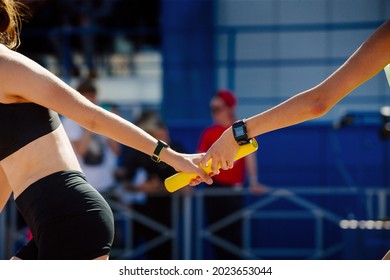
(158, 150)
(169, 156)
(229, 137)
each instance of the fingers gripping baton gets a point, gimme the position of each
(181, 179)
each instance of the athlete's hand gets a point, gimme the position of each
(222, 152)
(190, 163)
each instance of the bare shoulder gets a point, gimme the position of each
(6, 55)
(11, 60)
(11, 64)
(20, 76)
(24, 80)
(5, 69)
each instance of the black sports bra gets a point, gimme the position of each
(22, 123)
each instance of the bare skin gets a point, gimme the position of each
(25, 81)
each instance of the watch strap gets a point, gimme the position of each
(241, 139)
(157, 151)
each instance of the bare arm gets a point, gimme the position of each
(369, 59)
(25, 81)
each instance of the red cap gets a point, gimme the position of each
(228, 97)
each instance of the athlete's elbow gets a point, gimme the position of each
(90, 122)
(319, 109)
(318, 104)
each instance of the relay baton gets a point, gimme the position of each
(181, 179)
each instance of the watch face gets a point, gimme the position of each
(239, 131)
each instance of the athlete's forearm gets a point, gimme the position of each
(126, 133)
(111, 125)
(300, 108)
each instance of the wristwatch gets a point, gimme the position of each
(239, 132)
(157, 151)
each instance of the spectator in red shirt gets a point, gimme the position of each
(222, 107)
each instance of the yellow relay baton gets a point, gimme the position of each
(181, 179)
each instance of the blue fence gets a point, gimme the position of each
(286, 223)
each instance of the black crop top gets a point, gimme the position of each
(22, 123)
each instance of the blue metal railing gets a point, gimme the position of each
(189, 230)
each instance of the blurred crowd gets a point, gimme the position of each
(89, 27)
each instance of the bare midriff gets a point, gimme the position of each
(44, 156)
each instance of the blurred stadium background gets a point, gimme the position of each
(329, 178)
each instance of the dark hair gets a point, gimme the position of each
(150, 121)
(9, 23)
(86, 85)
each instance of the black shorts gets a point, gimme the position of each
(68, 218)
